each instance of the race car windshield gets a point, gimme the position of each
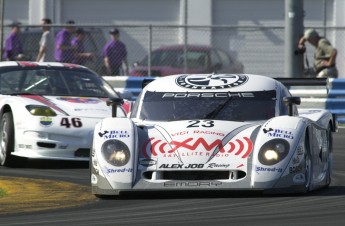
(239, 106)
(54, 82)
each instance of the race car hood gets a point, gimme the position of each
(73, 106)
(220, 144)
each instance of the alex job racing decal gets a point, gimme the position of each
(211, 81)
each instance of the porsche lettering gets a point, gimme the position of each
(207, 95)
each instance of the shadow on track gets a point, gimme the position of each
(55, 164)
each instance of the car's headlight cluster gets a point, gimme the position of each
(115, 152)
(39, 110)
(273, 151)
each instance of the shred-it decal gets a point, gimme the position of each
(45, 101)
(83, 100)
(239, 147)
(213, 81)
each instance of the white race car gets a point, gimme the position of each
(49, 111)
(214, 131)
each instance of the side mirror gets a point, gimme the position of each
(114, 102)
(290, 101)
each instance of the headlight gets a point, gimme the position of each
(40, 110)
(115, 152)
(273, 151)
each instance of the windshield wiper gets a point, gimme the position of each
(218, 109)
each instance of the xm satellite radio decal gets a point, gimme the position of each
(213, 81)
(239, 147)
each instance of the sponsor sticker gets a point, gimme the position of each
(83, 100)
(211, 82)
(259, 169)
(114, 134)
(46, 121)
(147, 162)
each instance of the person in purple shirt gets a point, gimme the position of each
(115, 54)
(80, 56)
(13, 45)
(64, 51)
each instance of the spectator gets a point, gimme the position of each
(64, 51)
(80, 56)
(115, 54)
(13, 45)
(325, 54)
(46, 51)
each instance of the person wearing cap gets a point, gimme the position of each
(80, 56)
(46, 51)
(115, 54)
(325, 54)
(13, 45)
(64, 51)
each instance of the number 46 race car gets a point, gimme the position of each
(213, 131)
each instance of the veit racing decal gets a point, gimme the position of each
(278, 133)
(211, 81)
(44, 101)
(83, 100)
(197, 132)
(156, 147)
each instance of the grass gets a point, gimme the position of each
(2, 193)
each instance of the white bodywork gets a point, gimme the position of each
(209, 153)
(68, 134)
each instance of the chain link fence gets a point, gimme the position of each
(160, 50)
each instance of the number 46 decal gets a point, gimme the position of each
(67, 122)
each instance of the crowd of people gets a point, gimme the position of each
(68, 47)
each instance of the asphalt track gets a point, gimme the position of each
(65, 199)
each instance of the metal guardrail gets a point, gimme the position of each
(316, 93)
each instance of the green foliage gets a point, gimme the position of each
(2, 193)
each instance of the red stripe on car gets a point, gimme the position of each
(45, 101)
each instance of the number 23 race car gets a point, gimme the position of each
(213, 131)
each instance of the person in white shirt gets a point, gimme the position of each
(46, 49)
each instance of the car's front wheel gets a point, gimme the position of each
(7, 140)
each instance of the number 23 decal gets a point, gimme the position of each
(74, 122)
(198, 123)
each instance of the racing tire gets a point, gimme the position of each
(308, 174)
(330, 156)
(7, 142)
